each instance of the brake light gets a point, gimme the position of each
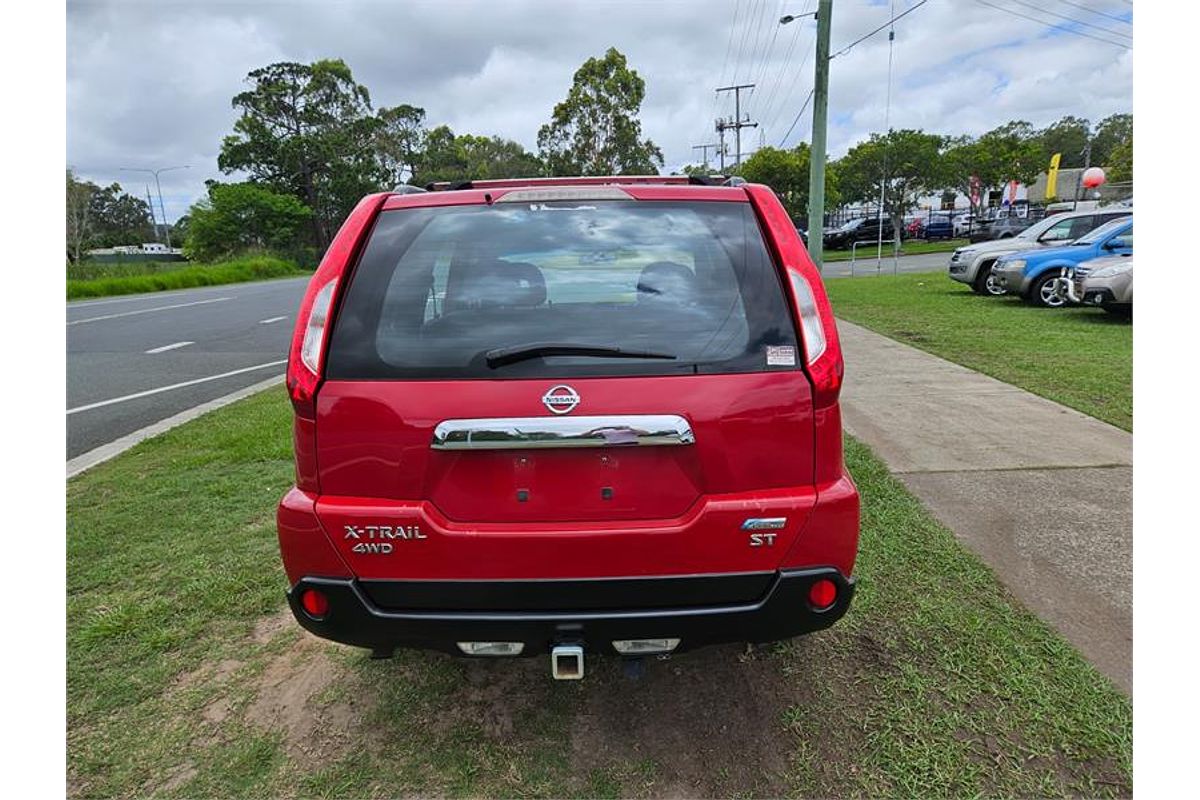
(810, 318)
(306, 360)
(314, 333)
(814, 315)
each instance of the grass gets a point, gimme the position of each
(117, 279)
(184, 679)
(908, 248)
(1080, 357)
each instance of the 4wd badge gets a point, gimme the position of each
(379, 537)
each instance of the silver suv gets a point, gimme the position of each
(972, 264)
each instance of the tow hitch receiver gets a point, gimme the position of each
(566, 662)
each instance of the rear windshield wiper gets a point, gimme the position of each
(523, 352)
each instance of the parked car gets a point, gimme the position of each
(1035, 276)
(863, 229)
(1106, 282)
(964, 223)
(1001, 228)
(938, 226)
(553, 416)
(972, 264)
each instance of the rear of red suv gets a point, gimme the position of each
(563, 416)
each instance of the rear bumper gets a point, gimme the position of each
(783, 611)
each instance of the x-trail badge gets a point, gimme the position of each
(560, 399)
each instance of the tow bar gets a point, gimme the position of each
(566, 662)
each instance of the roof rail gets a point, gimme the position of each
(585, 180)
(408, 188)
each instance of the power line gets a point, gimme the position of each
(783, 72)
(758, 27)
(798, 115)
(712, 112)
(1109, 31)
(1052, 25)
(737, 61)
(1096, 11)
(864, 37)
(766, 61)
(799, 71)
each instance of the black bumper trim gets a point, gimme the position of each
(781, 613)
(581, 594)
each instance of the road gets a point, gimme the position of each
(127, 355)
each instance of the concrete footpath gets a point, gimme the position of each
(1040, 491)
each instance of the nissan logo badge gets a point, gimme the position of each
(560, 399)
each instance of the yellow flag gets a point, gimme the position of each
(1052, 176)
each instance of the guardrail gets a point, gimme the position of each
(878, 256)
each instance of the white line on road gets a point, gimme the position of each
(104, 452)
(146, 310)
(161, 389)
(272, 319)
(167, 347)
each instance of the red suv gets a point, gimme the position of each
(567, 416)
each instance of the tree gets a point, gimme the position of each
(450, 157)
(1111, 133)
(1010, 152)
(1068, 136)
(241, 216)
(399, 140)
(785, 171)
(307, 130)
(80, 225)
(903, 165)
(1119, 166)
(595, 131)
(120, 218)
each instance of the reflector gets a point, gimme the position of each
(822, 594)
(315, 603)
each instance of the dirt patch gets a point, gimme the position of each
(208, 673)
(287, 700)
(709, 722)
(266, 628)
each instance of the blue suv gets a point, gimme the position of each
(1035, 275)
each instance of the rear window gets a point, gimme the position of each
(680, 288)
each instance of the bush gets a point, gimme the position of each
(251, 268)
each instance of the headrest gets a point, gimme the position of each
(666, 281)
(496, 283)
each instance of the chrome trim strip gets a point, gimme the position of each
(521, 433)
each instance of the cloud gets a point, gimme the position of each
(150, 83)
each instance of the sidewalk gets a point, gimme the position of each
(1040, 491)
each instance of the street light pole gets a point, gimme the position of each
(161, 207)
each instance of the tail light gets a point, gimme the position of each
(306, 359)
(822, 351)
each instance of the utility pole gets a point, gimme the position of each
(738, 123)
(816, 173)
(162, 208)
(721, 150)
(153, 215)
(704, 154)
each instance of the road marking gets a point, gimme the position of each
(167, 347)
(161, 389)
(272, 319)
(146, 310)
(104, 452)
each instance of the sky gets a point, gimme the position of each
(149, 83)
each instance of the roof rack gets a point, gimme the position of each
(586, 180)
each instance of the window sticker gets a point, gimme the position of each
(781, 356)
